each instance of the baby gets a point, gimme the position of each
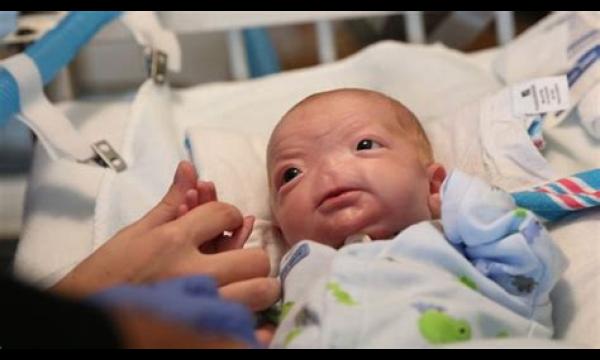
(347, 162)
(348, 167)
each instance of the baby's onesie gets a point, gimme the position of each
(484, 271)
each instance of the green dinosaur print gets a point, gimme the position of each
(340, 295)
(291, 336)
(468, 282)
(440, 328)
(520, 212)
(285, 309)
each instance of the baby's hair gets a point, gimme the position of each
(409, 123)
(412, 126)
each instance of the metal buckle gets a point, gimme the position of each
(106, 156)
(156, 65)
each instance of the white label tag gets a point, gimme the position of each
(539, 96)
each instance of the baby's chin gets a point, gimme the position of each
(364, 218)
(336, 229)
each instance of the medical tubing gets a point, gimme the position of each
(53, 52)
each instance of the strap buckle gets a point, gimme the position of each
(106, 156)
(156, 65)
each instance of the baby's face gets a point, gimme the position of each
(341, 165)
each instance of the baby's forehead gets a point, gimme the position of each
(337, 110)
(338, 107)
(339, 99)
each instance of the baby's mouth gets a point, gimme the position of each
(337, 197)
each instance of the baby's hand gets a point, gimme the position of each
(203, 193)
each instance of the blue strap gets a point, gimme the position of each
(53, 52)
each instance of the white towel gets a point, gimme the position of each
(151, 151)
(589, 111)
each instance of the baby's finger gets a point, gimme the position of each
(257, 293)
(239, 237)
(231, 267)
(203, 224)
(205, 192)
(191, 198)
(182, 210)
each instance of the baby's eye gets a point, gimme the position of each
(366, 144)
(290, 174)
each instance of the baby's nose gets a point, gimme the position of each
(332, 168)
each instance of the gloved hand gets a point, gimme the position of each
(191, 300)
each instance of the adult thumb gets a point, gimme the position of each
(166, 210)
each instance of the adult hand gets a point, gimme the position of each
(193, 301)
(162, 245)
(205, 192)
(143, 330)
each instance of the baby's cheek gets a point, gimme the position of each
(290, 221)
(407, 199)
(413, 208)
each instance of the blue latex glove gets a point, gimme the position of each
(192, 300)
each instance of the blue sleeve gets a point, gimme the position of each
(191, 300)
(506, 243)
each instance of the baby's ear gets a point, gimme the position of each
(436, 175)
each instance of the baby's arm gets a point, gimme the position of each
(506, 243)
(203, 193)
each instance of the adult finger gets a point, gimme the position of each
(239, 237)
(227, 267)
(265, 334)
(257, 294)
(204, 223)
(166, 210)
